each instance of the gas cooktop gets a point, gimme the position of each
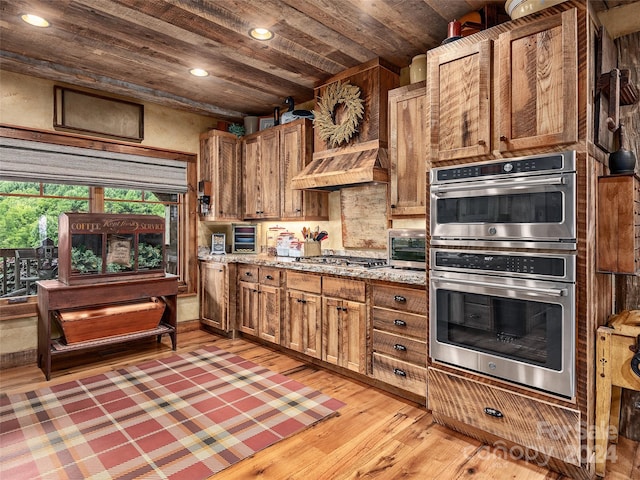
(345, 261)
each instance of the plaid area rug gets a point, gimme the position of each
(184, 417)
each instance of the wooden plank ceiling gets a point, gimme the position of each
(142, 49)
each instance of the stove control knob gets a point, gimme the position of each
(492, 230)
(507, 167)
(492, 366)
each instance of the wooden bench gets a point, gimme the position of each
(616, 345)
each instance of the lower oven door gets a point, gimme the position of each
(517, 330)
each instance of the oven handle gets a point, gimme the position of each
(511, 184)
(554, 292)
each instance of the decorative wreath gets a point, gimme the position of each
(325, 115)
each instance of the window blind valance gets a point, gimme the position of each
(29, 161)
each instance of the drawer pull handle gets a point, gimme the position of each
(399, 298)
(400, 373)
(493, 412)
(400, 347)
(399, 323)
(248, 274)
(269, 277)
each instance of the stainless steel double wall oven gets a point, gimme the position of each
(502, 269)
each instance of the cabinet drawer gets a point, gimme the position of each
(406, 324)
(400, 347)
(270, 276)
(401, 374)
(248, 273)
(343, 288)
(305, 282)
(400, 298)
(535, 424)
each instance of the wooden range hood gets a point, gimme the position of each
(364, 159)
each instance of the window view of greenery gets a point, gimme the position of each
(29, 228)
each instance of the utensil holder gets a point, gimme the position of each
(312, 249)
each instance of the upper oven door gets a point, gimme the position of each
(537, 209)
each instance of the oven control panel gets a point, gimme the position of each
(549, 266)
(546, 163)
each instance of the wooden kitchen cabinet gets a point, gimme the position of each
(214, 287)
(296, 151)
(407, 150)
(220, 169)
(516, 94)
(259, 302)
(460, 101)
(618, 241)
(400, 337)
(538, 78)
(303, 318)
(261, 174)
(271, 158)
(344, 323)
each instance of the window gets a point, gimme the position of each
(45, 173)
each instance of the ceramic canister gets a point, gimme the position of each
(418, 68)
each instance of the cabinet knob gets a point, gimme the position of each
(481, 142)
(399, 347)
(393, 206)
(399, 323)
(399, 298)
(269, 277)
(248, 274)
(503, 138)
(400, 373)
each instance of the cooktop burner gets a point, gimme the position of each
(346, 261)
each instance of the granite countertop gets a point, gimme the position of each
(388, 274)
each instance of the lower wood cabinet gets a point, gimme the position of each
(214, 288)
(535, 424)
(344, 323)
(303, 318)
(259, 302)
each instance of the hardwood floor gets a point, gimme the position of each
(375, 436)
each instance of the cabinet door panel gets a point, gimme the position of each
(354, 337)
(249, 307)
(459, 85)
(332, 337)
(292, 163)
(251, 175)
(269, 174)
(213, 295)
(539, 83)
(294, 320)
(226, 186)
(312, 326)
(407, 149)
(270, 313)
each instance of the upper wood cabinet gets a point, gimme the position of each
(296, 151)
(538, 75)
(220, 166)
(261, 174)
(516, 94)
(459, 96)
(407, 150)
(271, 158)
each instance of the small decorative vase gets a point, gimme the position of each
(622, 160)
(418, 68)
(250, 124)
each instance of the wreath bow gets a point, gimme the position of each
(349, 96)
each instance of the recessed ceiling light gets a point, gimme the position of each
(34, 20)
(261, 33)
(198, 72)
